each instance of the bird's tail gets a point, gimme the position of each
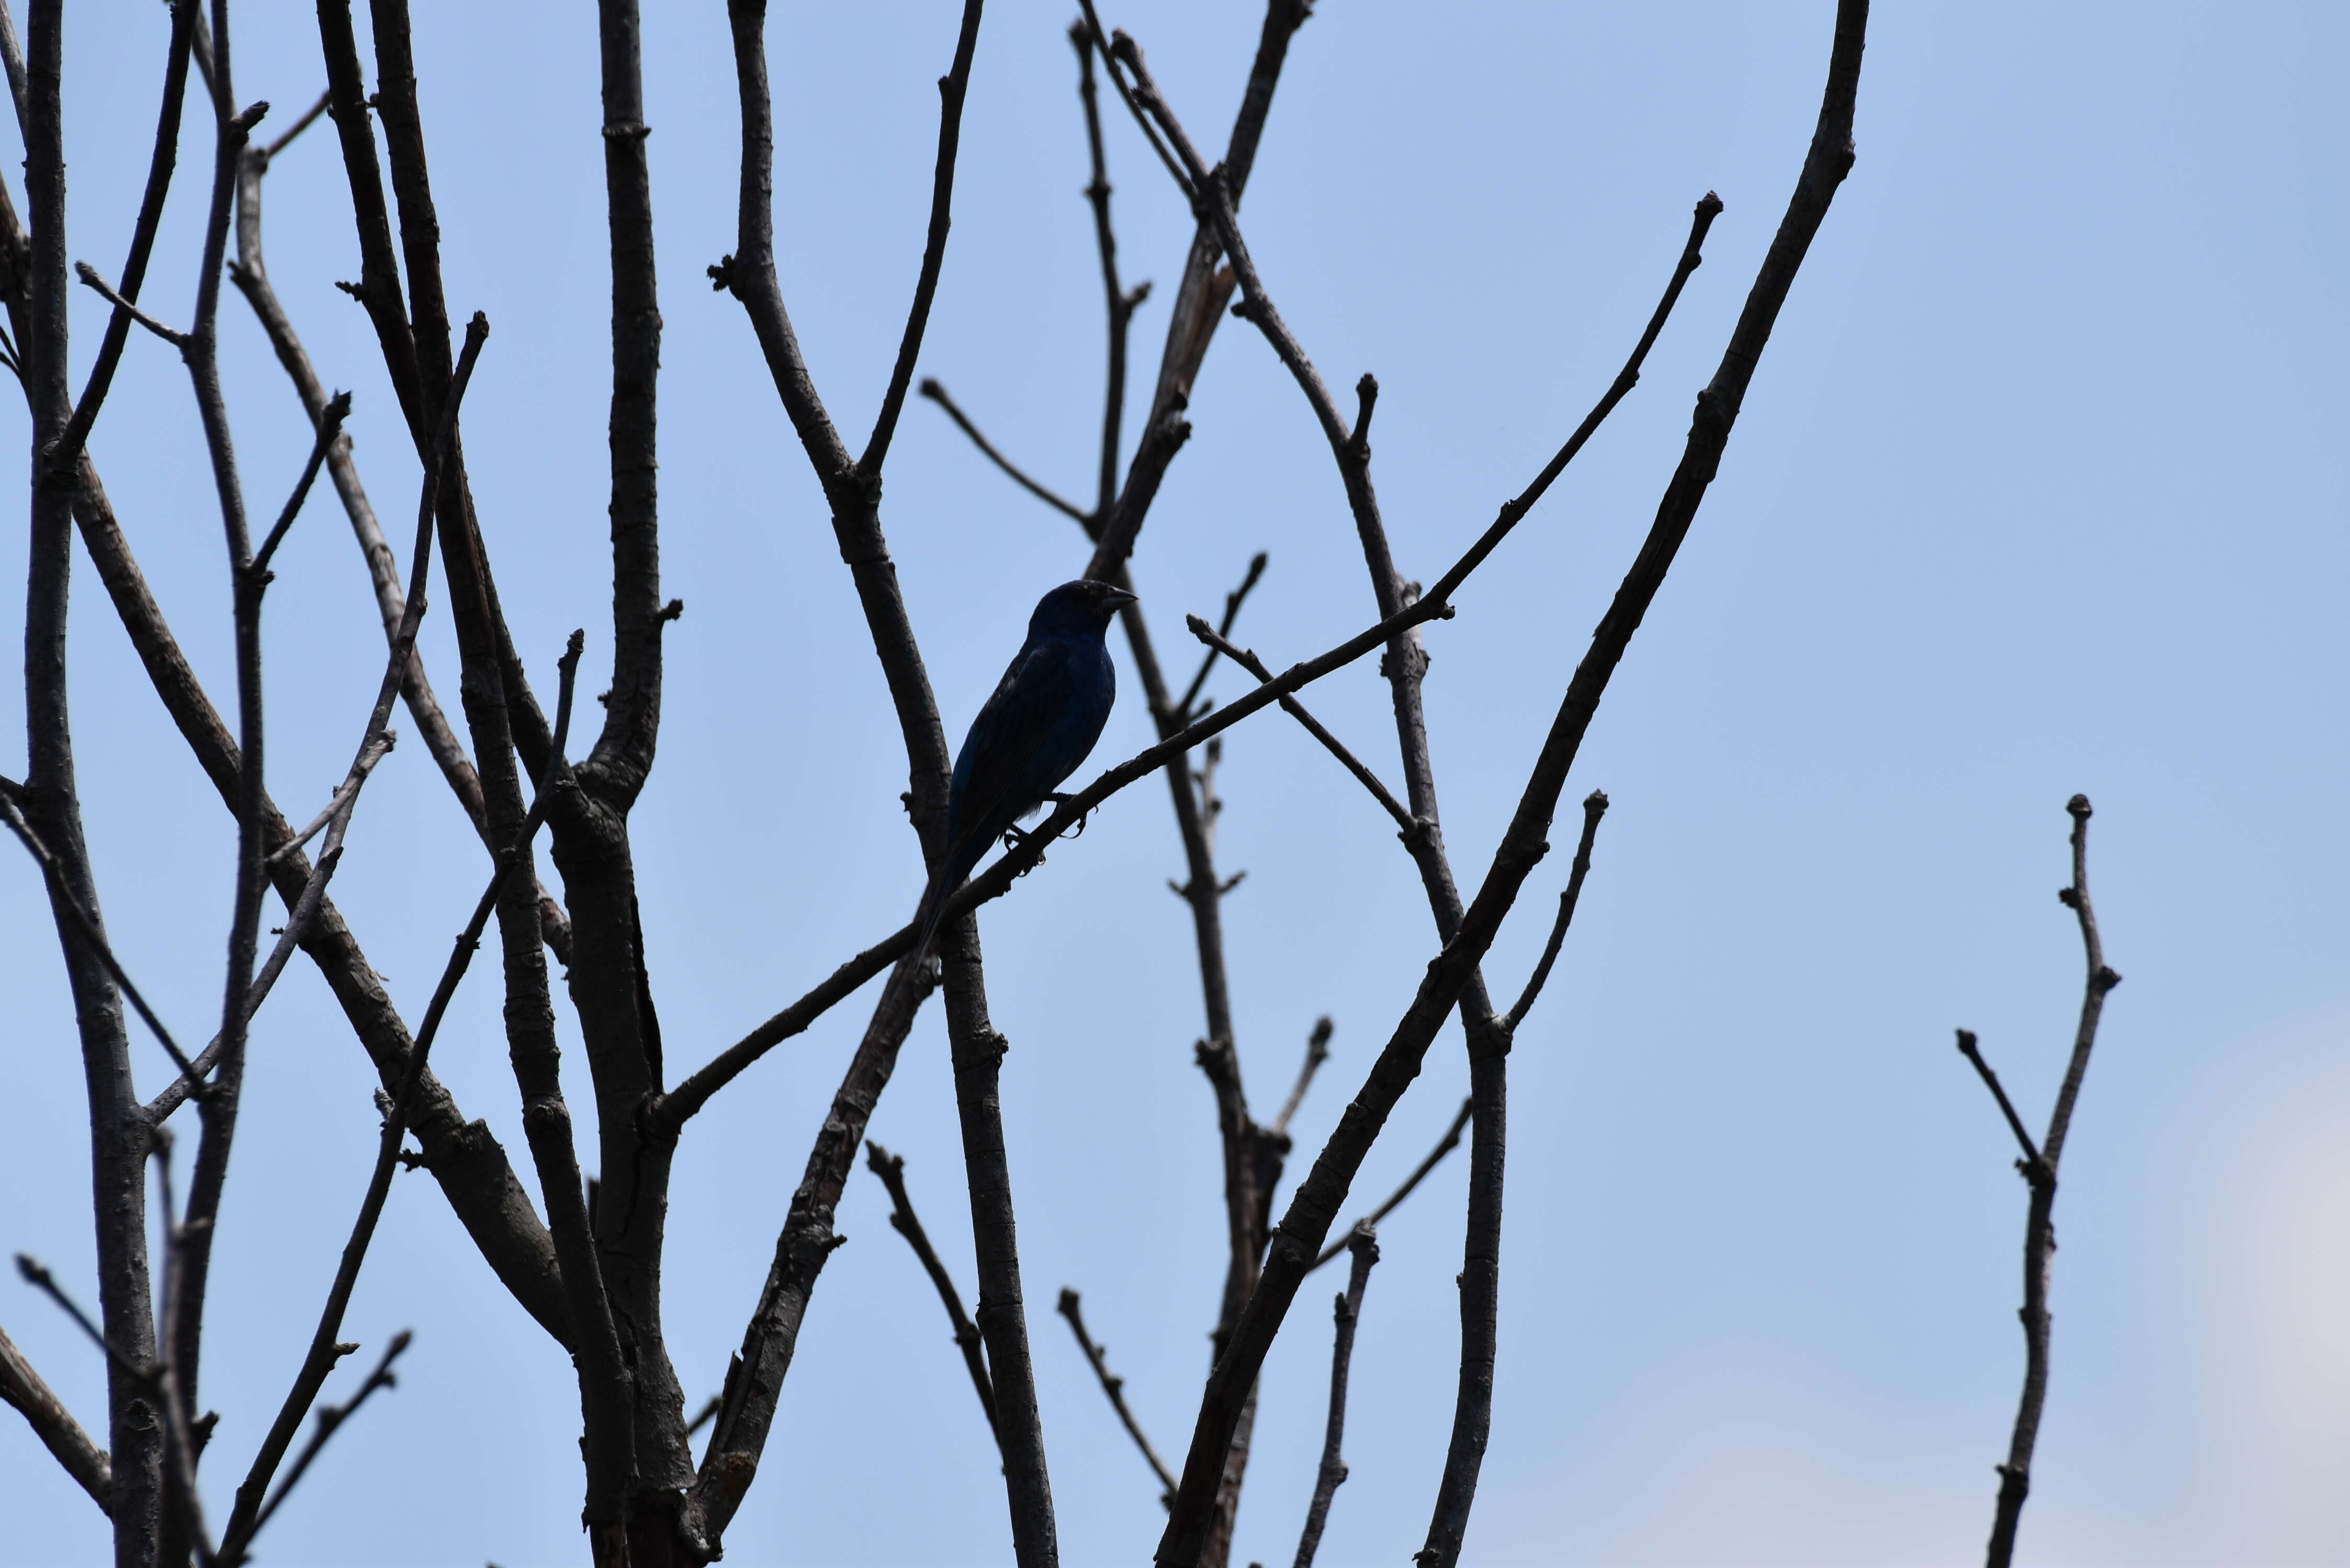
(945, 877)
(927, 913)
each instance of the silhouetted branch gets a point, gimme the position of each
(1121, 304)
(1444, 1146)
(86, 929)
(36, 1274)
(852, 488)
(976, 1050)
(1349, 1309)
(892, 1169)
(2039, 1168)
(932, 390)
(952, 87)
(250, 274)
(244, 1519)
(330, 426)
(1318, 1051)
(1232, 602)
(309, 117)
(330, 1418)
(64, 455)
(83, 1459)
(378, 747)
(1126, 93)
(1248, 661)
(97, 283)
(1098, 1357)
(2030, 1165)
(1595, 806)
(1315, 1207)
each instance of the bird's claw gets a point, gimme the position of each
(1083, 817)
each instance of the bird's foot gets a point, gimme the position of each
(1083, 817)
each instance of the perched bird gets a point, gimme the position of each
(1043, 719)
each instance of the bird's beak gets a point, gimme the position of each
(1117, 600)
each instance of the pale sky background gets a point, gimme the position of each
(2041, 488)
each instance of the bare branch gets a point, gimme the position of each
(934, 248)
(330, 426)
(1098, 1357)
(83, 1459)
(309, 116)
(244, 1519)
(250, 274)
(1444, 1146)
(1315, 1205)
(1363, 1243)
(1125, 92)
(373, 751)
(98, 285)
(1232, 602)
(932, 390)
(86, 927)
(1290, 705)
(1595, 806)
(331, 1417)
(892, 1169)
(2040, 1169)
(62, 456)
(2033, 1168)
(38, 1275)
(976, 1051)
(1318, 1051)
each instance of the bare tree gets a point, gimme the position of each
(588, 1269)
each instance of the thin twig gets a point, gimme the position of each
(298, 926)
(1118, 79)
(106, 291)
(952, 87)
(331, 425)
(1096, 1356)
(1121, 304)
(82, 1457)
(331, 1417)
(2033, 1169)
(1595, 806)
(1314, 1205)
(301, 125)
(932, 390)
(1249, 662)
(1232, 602)
(379, 746)
(1444, 1146)
(1318, 1051)
(324, 1351)
(85, 926)
(2040, 1170)
(1347, 1308)
(250, 274)
(892, 1169)
(64, 457)
(38, 1275)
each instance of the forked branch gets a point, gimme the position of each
(2039, 1167)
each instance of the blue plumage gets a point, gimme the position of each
(1041, 722)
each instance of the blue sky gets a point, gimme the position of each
(2040, 488)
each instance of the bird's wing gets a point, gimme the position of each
(998, 773)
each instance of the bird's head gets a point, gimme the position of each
(1082, 607)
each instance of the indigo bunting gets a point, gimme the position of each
(1043, 718)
